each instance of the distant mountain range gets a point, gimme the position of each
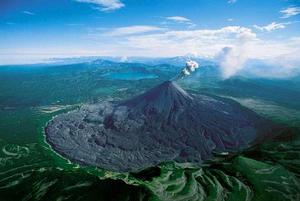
(175, 61)
(251, 69)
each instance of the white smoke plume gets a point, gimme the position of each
(190, 67)
(232, 60)
(260, 58)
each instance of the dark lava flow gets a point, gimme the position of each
(165, 123)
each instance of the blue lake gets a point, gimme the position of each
(129, 76)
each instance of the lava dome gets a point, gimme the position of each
(164, 123)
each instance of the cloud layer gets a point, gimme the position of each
(232, 46)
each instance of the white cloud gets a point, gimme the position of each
(179, 19)
(132, 30)
(271, 27)
(274, 26)
(28, 12)
(206, 42)
(290, 11)
(105, 5)
(231, 1)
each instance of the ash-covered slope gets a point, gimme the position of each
(164, 123)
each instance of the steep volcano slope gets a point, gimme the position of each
(164, 123)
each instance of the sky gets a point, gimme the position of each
(231, 31)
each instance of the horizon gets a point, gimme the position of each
(36, 30)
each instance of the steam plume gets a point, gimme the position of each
(190, 67)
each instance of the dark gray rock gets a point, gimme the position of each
(165, 123)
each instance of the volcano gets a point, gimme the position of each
(164, 123)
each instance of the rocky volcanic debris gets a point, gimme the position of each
(165, 123)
